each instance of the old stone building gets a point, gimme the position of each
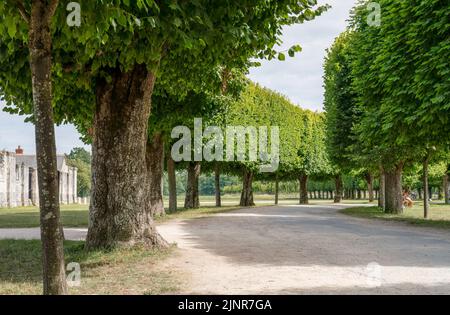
(19, 184)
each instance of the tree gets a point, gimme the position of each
(446, 186)
(341, 109)
(402, 86)
(301, 136)
(81, 159)
(171, 111)
(172, 180)
(80, 154)
(106, 70)
(155, 170)
(312, 152)
(35, 27)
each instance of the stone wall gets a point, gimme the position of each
(19, 182)
(7, 179)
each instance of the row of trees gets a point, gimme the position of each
(248, 107)
(387, 96)
(102, 76)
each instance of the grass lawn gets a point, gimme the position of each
(439, 215)
(76, 216)
(27, 217)
(104, 272)
(137, 271)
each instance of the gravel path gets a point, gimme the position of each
(300, 250)
(308, 250)
(35, 234)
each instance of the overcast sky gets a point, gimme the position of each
(298, 78)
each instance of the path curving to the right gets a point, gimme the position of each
(307, 250)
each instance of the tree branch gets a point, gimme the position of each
(23, 13)
(52, 9)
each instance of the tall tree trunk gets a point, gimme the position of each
(382, 190)
(247, 189)
(445, 188)
(155, 173)
(192, 200)
(426, 197)
(339, 186)
(369, 179)
(119, 213)
(277, 190)
(172, 184)
(40, 47)
(217, 185)
(393, 190)
(303, 180)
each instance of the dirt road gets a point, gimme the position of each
(306, 250)
(299, 250)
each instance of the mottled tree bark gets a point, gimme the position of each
(192, 200)
(445, 188)
(382, 190)
(172, 184)
(119, 213)
(303, 180)
(277, 190)
(40, 47)
(426, 197)
(217, 185)
(339, 186)
(393, 190)
(155, 173)
(247, 189)
(369, 180)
